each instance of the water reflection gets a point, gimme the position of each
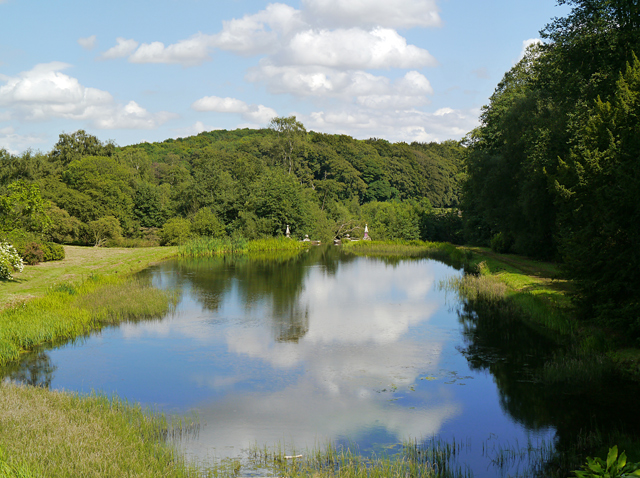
(34, 369)
(312, 347)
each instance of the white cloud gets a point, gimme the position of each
(526, 44)
(255, 113)
(362, 87)
(258, 33)
(190, 52)
(45, 92)
(16, 143)
(123, 48)
(354, 49)
(395, 14)
(398, 125)
(87, 43)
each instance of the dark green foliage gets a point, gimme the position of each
(442, 226)
(599, 194)
(553, 170)
(254, 182)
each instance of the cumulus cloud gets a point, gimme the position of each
(87, 43)
(258, 33)
(364, 88)
(44, 92)
(399, 125)
(123, 48)
(291, 38)
(396, 14)
(190, 52)
(354, 49)
(250, 112)
(14, 142)
(526, 44)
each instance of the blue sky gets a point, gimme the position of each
(134, 71)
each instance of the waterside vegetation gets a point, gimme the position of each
(89, 436)
(214, 246)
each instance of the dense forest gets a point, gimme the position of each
(552, 172)
(251, 183)
(554, 168)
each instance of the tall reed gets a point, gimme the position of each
(71, 310)
(213, 246)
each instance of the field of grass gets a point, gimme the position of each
(79, 264)
(49, 433)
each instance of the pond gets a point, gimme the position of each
(329, 346)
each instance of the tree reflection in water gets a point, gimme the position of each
(35, 368)
(588, 408)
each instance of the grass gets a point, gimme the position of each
(442, 251)
(210, 246)
(79, 263)
(92, 436)
(415, 460)
(71, 310)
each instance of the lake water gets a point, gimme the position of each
(322, 346)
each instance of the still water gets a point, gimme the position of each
(316, 347)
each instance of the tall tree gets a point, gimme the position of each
(599, 187)
(291, 135)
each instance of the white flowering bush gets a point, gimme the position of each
(10, 261)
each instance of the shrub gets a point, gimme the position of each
(500, 243)
(52, 251)
(105, 228)
(10, 261)
(206, 223)
(32, 254)
(175, 231)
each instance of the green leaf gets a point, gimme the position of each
(622, 460)
(611, 458)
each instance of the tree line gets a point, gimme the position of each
(249, 183)
(554, 168)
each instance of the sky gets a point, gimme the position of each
(135, 71)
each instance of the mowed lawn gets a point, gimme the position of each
(80, 262)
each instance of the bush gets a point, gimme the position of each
(206, 223)
(32, 254)
(52, 251)
(500, 243)
(175, 231)
(103, 229)
(10, 261)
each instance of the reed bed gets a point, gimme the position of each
(72, 310)
(92, 436)
(214, 246)
(441, 251)
(414, 460)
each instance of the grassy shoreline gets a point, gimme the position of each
(92, 421)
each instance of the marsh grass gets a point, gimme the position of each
(93, 436)
(72, 310)
(442, 251)
(212, 246)
(435, 460)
